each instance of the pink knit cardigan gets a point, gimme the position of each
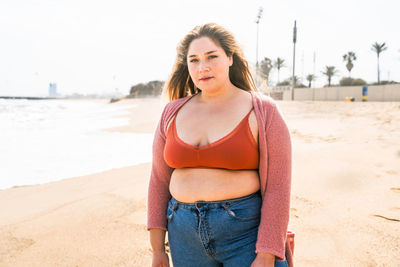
(274, 172)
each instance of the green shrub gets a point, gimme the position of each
(348, 81)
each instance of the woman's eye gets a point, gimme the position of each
(196, 60)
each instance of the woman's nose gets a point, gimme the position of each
(203, 66)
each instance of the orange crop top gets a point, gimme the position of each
(237, 150)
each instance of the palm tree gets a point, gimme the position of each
(297, 81)
(378, 48)
(265, 67)
(278, 64)
(310, 78)
(349, 57)
(330, 71)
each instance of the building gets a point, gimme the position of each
(52, 90)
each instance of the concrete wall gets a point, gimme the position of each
(390, 92)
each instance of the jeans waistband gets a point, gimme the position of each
(212, 204)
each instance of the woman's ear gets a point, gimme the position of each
(230, 60)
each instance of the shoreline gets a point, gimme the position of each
(72, 177)
(59, 149)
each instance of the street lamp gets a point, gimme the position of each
(259, 15)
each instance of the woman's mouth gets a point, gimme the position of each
(206, 79)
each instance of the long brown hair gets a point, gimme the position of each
(180, 83)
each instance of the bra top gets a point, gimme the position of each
(237, 150)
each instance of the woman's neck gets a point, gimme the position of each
(218, 96)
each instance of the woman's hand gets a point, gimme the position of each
(264, 259)
(160, 259)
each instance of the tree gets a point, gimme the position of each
(349, 57)
(378, 48)
(330, 71)
(285, 83)
(297, 82)
(278, 64)
(348, 81)
(152, 88)
(265, 67)
(310, 78)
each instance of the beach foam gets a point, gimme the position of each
(48, 140)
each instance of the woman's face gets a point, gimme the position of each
(208, 64)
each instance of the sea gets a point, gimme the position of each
(48, 140)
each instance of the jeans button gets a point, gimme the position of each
(198, 205)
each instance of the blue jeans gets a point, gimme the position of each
(215, 233)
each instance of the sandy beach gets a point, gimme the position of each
(345, 202)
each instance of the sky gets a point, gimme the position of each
(99, 47)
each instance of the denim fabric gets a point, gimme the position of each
(215, 233)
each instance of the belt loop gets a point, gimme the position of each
(175, 206)
(226, 205)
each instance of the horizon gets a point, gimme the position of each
(101, 48)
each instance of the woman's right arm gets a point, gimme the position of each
(158, 196)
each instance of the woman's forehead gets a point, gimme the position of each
(203, 45)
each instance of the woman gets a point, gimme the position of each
(221, 170)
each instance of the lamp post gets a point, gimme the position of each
(259, 15)
(294, 57)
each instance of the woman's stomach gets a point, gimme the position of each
(210, 184)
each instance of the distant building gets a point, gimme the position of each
(52, 90)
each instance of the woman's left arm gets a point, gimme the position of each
(276, 202)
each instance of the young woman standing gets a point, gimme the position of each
(221, 171)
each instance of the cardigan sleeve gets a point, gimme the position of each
(158, 190)
(276, 201)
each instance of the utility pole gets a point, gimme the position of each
(313, 87)
(302, 65)
(259, 15)
(294, 57)
(314, 58)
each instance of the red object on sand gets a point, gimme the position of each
(289, 248)
(290, 237)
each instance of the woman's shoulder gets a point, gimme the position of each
(172, 106)
(270, 112)
(177, 102)
(264, 102)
